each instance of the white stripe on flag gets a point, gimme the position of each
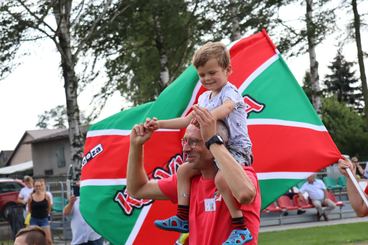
(257, 72)
(120, 132)
(138, 224)
(283, 175)
(102, 182)
(261, 176)
(280, 122)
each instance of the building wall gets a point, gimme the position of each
(51, 158)
(23, 152)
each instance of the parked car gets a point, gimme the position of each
(9, 190)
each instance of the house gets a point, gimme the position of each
(51, 153)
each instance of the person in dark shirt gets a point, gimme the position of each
(39, 205)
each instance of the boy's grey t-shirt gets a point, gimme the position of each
(236, 120)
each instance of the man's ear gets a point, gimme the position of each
(229, 70)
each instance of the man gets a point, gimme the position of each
(209, 219)
(82, 233)
(317, 192)
(32, 235)
(355, 199)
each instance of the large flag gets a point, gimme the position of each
(289, 143)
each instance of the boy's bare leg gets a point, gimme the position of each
(180, 222)
(185, 173)
(228, 197)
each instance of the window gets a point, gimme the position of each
(60, 157)
(49, 172)
(9, 187)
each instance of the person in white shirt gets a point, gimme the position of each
(81, 231)
(25, 192)
(317, 192)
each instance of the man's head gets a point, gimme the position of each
(32, 235)
(28, 181)
(194, 146)
(311, 178)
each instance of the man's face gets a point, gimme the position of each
(195, 149)
(311, 179)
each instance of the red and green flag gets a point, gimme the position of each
(289, 143)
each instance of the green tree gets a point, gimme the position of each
(342, 83)
(57, 118)
(25, 21)
(347, 127)
(148, 47)
(355, 34)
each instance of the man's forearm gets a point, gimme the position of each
(355, 200)
(136, 175)
(239, 183)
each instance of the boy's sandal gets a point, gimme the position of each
(238, 237)
(173, 223)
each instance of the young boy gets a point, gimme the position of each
(224, 101)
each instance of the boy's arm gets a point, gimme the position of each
(176, 123)
(223, 110)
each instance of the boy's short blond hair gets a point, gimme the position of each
(211, 50)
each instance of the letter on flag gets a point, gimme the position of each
(289, 143)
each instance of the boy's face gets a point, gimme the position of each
(213, 77)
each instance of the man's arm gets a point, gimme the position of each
(239, 183)
(69, 207)
(355, 200)
(138, 184)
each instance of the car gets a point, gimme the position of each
(9, 190)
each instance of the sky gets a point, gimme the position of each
(37, 85)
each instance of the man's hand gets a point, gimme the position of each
(206, 121)
(343, 164)
(72, 199)
(139, 134)
(152, 124)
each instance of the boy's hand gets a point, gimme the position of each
(151, 124)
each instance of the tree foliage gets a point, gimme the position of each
(347, 127)
(342, 83)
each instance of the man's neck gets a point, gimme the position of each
(210, 172)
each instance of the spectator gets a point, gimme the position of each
(355, 199)
(294, 191)
(81, 231)
(209, 217)
(32, 235)
(317, 192)
(25, 193)
(39, 205)
(359, 169)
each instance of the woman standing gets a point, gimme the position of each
(39, 205)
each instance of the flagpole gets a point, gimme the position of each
(357, 186)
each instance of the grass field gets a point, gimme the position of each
(356, 233)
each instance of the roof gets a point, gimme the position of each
(46, 134)
(55, 134)
(16, 168)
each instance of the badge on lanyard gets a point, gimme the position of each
(210, 204)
